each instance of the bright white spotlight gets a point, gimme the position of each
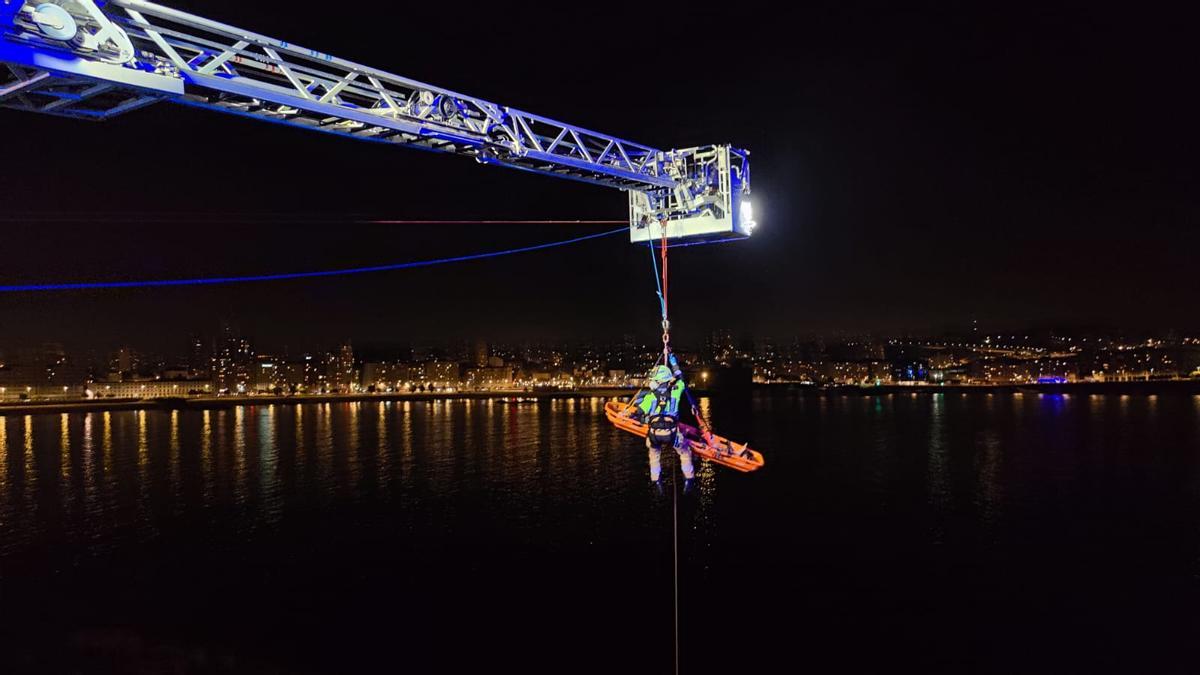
(747, 215)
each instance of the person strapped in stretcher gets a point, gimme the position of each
(659, 409)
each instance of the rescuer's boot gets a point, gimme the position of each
(656, 486)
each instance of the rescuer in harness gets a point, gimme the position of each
(659, 408)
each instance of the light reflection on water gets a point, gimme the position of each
(135, 470)
(241, 476)
(268, 463)
(84, 478)
(938, 466)
(206, 456)
(64, 448)
(3, 455)
(970, 508)
(27, 468)
(989, 494)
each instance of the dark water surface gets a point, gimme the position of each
(953, 533)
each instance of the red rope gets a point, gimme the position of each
(664, 264)
(666, 330)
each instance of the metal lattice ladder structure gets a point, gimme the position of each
(94, 60)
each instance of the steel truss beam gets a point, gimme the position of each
(41, 91)
(188, 59)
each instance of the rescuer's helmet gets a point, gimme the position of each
(660, 376)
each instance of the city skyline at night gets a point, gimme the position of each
(230, 362)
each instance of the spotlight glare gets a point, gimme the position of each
(747, 215)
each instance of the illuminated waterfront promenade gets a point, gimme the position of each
(1166, 387)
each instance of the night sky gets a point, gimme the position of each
(914, 170)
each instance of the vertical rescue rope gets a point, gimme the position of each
(661, 281)
(666, 337)
(675, 534)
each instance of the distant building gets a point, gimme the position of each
(441, 373)
(266, 375)
(233, 362)
(860, 371)
(199, 360)
(149, 389)
(31, 392)
(720, 346)
(390, 376)
(479, 354)
(796, 370)
(126, 361)
(1001, 370)
(296, 375)
(1064, 368)
(916, 370)
(489, 378)
(43, 372)
(341, 374)
(303, 374)
(23, 382)
(956, 374)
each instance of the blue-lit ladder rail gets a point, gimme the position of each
(94, 60)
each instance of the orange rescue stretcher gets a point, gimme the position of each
(712, 447)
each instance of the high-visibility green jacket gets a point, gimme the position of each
(651, 403)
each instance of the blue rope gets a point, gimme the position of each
(662, 302)
(29, 288)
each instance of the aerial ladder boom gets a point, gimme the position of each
(94, 60)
